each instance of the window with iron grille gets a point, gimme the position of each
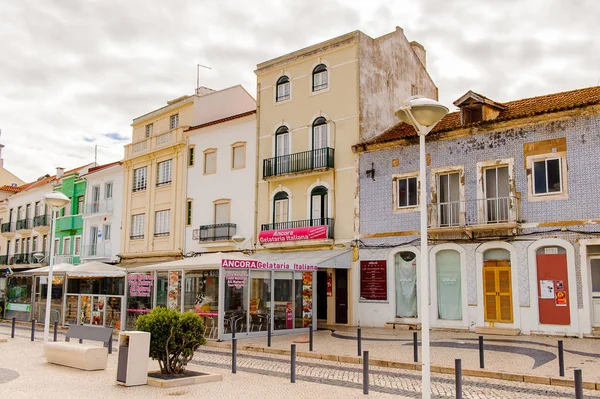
(137, 226)
(164, 173)
(320, 77)
(189, 213)
(283, 89)
(191, 156)
(149, 129)
(139, 179)
(161, 223)
(174, 121)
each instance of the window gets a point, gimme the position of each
(44, 243)
(161, 223)
(66, 246)
(222, 212)
(149, 129)
(54, 250)
(448, 201)
(137, 226)
(318, 206)
(283, 89)
(38, 208)
(497, 205)
(188, 220)
(108, 190)
(139, 179)
(191, 156)
(17, 241)
(319, 132)
(449, 291)
(164, 173)
(280, 207)
(238, 156)
(80, 205)
(210, 162)
(174, 121)
(77, 249)
(106, 232)
(407, 195)
(320, 78)
(547, 176)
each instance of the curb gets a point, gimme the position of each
(530, 379)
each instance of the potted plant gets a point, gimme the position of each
(174, 337)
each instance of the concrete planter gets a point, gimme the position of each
(183, 381)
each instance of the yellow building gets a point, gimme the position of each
(313, 105)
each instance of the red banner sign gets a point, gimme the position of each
(257, 264)
(373, 280)
(298, 234)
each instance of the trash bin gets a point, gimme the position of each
(134, 352)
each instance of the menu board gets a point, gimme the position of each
(307, 297)
(140, 284)
(173, 293)
(373, 280)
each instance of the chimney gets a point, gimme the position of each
(60, 172)
(419, 51)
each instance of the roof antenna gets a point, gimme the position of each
(96, 153)
(198, 77)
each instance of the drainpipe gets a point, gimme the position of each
(334, 199)
(256, 168)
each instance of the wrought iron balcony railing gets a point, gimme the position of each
(7, 228)
(301, 223)
(21, 259)
(98, 250)
(488, 211)
(3, 259)
(24, 224)
(322, 158)
(217, 232)
(41, 220)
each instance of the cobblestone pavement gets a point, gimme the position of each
(382, 380)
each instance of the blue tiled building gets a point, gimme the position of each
(514, 222)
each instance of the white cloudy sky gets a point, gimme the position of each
(74, 73)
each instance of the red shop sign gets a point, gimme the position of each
(298, 234)
(373, 280)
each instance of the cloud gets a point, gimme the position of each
(72, 71)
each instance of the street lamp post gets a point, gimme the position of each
(423, 114)
(55, 201)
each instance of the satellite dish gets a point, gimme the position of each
(39, 256)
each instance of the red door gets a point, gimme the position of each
(552, 271)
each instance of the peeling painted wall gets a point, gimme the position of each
(388, 68)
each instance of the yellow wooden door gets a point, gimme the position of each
(497, 292)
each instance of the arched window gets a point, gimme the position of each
(281, 203)
(282, 150)
(319, 133)
(318, 206)
(449, 285)
(406, 284)
(283, 89)
(320, 78)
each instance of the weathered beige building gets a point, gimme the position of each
(313, 106)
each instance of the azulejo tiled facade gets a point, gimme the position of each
(512, 194)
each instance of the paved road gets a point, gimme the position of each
(383, 380)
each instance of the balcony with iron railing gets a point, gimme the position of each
(295, 224)
(482, 214)
(21, 259)
(322, 158)
(99, 207)
(217, 232)
(155, 142)
(24, 224)
(70, 259)
(8, 229)
(41, 221)
(98, 250)
(3, 259)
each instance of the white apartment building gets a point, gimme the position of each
(102, 215)
(221, 174)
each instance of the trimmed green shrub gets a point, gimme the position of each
(174, 337)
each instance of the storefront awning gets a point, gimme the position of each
(96, 269)
(59, 268)
(332, 258)
(208, 261)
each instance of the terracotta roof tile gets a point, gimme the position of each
(215, 122)
(526, 107)
(38, 183)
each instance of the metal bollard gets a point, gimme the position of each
(269, 334)
(310, 338)
(293, 365)
(12, 331)
(561, 359)
(578, 384)
(234, 356)
(366, 372)
(481, 363)
(358, 339)
(55, 330)
(415, 348)
(233, 328)
(458, 377)
(32, 329)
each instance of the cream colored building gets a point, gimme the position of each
(313, 106)
(155, 173)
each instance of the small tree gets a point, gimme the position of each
(174, 337)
